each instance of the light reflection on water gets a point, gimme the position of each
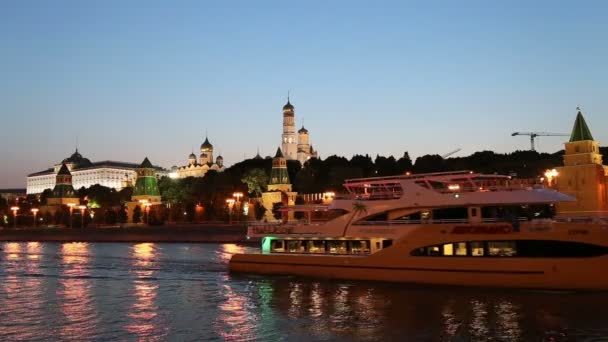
(144, 311)
(74, 292)
(175, 292)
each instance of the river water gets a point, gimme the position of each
(183, 292)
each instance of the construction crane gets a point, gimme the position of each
(450, 153)
(538, 134)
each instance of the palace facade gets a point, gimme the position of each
(85, 173)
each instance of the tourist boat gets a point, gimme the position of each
(454, 228)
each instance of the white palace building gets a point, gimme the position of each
(85, 173)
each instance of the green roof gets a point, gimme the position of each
(580, 131)
(63, 191)
(279, 154)
(279, 175)
(146, 164)
(146, 186)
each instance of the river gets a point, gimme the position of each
(183, 292)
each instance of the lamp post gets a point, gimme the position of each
(35, 212)
(551, 174)
(238, 196)
(15, 209)
(82, 209)
(147, 210)
(230, 202)
(146, 206)
(71, 206)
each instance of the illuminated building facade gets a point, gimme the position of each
(198, 168)
(85, 173)
(279, 186)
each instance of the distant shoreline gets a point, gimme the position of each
(168, 233)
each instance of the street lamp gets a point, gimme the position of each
(230, 202)
(238, 196)
(147, 210)
(71, 206)
(35, 212)
(550, 174)
(82, 209)
(15, 209)
(146, 206)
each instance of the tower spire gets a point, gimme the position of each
(580, 131)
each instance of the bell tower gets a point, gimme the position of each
(288, 143)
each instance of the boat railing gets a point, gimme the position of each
(582, 219)
(407, 176)
(438, 221)
(491, 188)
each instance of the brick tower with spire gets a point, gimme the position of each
(279, 186)
(583, 175)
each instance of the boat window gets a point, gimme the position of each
(516, 248)
(277, 246)
(378, 217)
(502, 248)
(412, 216)
(476, 248)
(450, 213)
(316, 246)
(434, 251)
(338, 247)
(295, 246)
(460, 248)
(387, 243)
(448, 249)
(359, 247)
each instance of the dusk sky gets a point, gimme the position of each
(130, 79)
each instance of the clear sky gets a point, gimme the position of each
(129, 79)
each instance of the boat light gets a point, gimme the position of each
(454, 187)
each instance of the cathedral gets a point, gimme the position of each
(198, 168)
(298, 149)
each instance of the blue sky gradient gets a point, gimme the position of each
(130, 79)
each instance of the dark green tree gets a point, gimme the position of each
(256, 181)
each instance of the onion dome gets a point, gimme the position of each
(192, 156)
(303, 130)
(288, 106)
(206, 145)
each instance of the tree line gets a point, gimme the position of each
(195, 199)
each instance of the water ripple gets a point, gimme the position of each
(182, 292)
